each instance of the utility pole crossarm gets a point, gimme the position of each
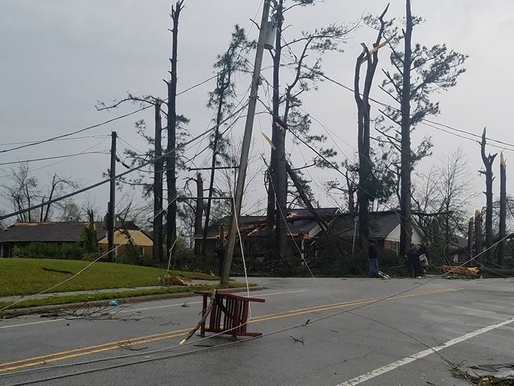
(246, 145)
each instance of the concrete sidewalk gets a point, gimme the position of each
(9, 299)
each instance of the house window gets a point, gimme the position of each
(396, 247)
(141, 251)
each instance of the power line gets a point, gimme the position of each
(58, 137)
(76, 131)
(100, 183)
(425, 120)
(63, 139)
(54, 157)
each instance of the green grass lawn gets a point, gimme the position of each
(27, 276)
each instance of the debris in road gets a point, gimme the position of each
(202, 320)
(471, 272)
(487, 375)
(50, 315)
(383, 275)
(114, 303)
(127, 345)
(185, 305)
(335, 331)
(298, 340)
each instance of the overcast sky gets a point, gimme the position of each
(59, 57)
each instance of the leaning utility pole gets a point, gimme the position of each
(112, 197)
(238, 199)
(171, 178)
(157, 188)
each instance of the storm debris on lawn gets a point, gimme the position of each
(170, 279)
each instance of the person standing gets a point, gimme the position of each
(412, 261)
(219, 251)
(373, 260)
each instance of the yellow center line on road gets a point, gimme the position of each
(74, 353)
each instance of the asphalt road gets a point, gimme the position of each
(360, 331)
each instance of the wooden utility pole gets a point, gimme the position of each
(406, 156)
(158, 255)
(503, 207)
(111, 216)
(199, 211)
(171, 178)
(246, 145)
(478, 235)
(488, 161)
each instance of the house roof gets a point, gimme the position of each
(300, 221)
(381, 224)
(101, 231)
(42, 232)
(138, 237)
(53, 232)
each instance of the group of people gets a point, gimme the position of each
(415, 260)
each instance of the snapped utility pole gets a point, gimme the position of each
(236, 209)
(112, 197)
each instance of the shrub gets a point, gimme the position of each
(71, 251)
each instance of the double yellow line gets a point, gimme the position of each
(79, 352)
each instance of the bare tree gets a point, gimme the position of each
(488, 161)
(227, 65)
(287, 106)
(417, 73)
(171, 177)
(363, 128)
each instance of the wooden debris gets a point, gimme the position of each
(463, 271)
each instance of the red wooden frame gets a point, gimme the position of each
(229, 314)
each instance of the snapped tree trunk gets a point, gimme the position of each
(478, 235)
(503, 208)
(470, 238)
(171, 178)
(158, 242)
(277, 194)
(199, 213)
(363, 136)
(405, 159)
(488, 161)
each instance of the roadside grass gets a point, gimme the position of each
(20, 276)
(115, 295)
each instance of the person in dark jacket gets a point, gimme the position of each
(219, 252)
(373, 260)
(412, 261)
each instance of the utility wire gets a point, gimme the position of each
(100, 183)
(54, 157)
(58, 137)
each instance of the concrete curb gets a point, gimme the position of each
(135, 299)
